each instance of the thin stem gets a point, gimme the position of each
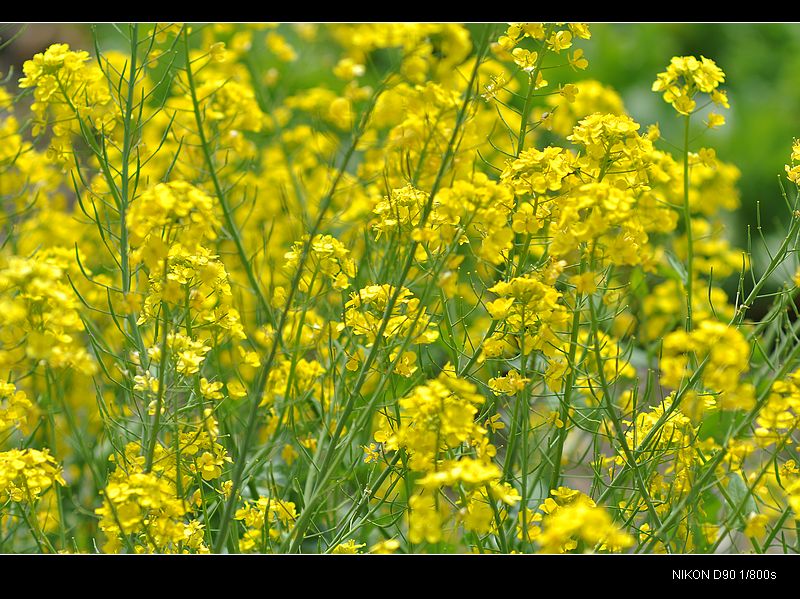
(687, 218)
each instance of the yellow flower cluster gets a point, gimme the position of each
(169, 213)
(40, 317)
(16, 409)
(437, 416)
(780, 416)
(145, 505)
(685, 77)
(266, 520)
(530, 314)
(438, 287)
(365, 315)
(25, 474)
(142, 509)
(674, 441)
(726, 356)
(328, 258)
(436, 420)
(69, 92)
(793, 171)
(197, 280)
(570, 520)
(564, 110)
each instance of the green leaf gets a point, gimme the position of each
(677, 266)
(737, 490)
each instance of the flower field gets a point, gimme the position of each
(386, 288)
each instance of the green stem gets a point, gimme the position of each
(324, 470)
(151, 447)
(526, 108)
(569, 385)
(126, 149)
(261, 379)
(223, 202)
(687, 218)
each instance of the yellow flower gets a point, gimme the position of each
(349, 546)
(685, 77)
(236, 390)
(385, 547)
(715, 120)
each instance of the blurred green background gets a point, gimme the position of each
(761, 61)
(762, 65)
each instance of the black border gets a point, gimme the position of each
(415, 575)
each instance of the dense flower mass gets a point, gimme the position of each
(383, 288)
